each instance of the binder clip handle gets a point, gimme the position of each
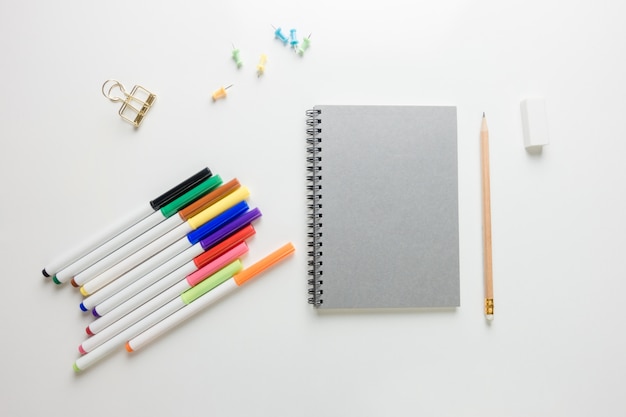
(109, 93)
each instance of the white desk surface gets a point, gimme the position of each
(70, 165)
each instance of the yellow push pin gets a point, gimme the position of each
(220, 93)
(136, 103)
(260, 69)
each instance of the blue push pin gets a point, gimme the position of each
(280, 36)
(293, 40)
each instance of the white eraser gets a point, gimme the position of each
(534, 122)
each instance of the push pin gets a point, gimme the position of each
(293, 40)
(236, 57)
(306, 42)
(136, 103)
(260, 69)
(220, 93)
(278, 34)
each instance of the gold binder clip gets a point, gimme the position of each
(136, 103)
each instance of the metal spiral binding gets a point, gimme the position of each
(314, 196)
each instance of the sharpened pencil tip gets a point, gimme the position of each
(483, 114)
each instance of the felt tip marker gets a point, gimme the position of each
(132, 217)
(205, 254)
(118, 340)
(171, 237)
(150, 264)
(149, 229)
(178, 274)
(152, 303)
(235, 214)
(208, 298)
(183, 215)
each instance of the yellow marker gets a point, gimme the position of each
(260, 69)
(221, 93)
(225, 203)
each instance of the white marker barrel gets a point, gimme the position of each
(133, 317)
(128, 249)
(141, 298)
(162, 263)
(97, 239)
(117, 341)
(112, 245)
(181, 315)
(154, 247)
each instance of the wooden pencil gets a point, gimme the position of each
(488, 268)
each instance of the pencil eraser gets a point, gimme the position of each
(534, 122)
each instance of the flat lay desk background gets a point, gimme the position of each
(69, 165)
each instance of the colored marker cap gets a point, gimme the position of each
(175, 192)
(218, 221)
(220, 206)
(88, 331)
(82, 307)
(95, 313)
(45, 273)
(270, 260)
(211, 282)
(74, 284)
(209, 199)
(192, 195)
(223, 246)
(230, 228)
(56, 281)
(81, 350)
(75, 367)
(128, 348)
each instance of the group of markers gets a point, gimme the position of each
(299, 47)
(162, 264)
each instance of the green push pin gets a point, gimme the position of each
(236, 57)
(306, 42)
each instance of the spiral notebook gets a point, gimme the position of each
(382, 187)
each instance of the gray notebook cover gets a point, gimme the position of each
(384, 222)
